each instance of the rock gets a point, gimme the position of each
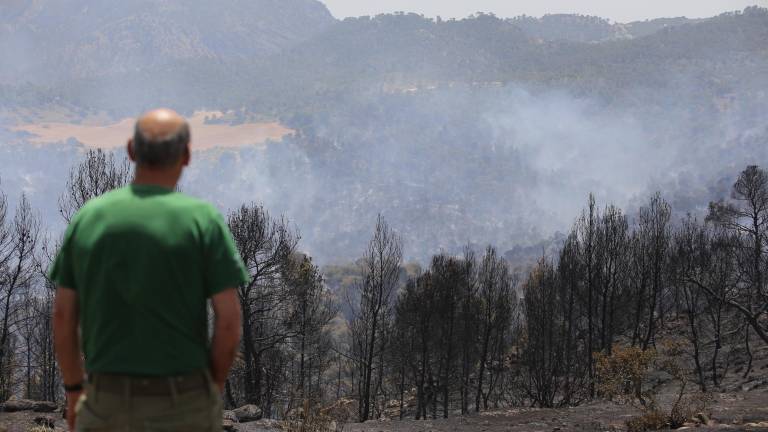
(230, 415)
(754, 384)
(228, 425)
(295, 414)
(392, 407)
(267, 424)
(247, 413)
(45, 422)
(45, 407)
(15, 405)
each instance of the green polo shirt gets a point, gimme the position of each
(144, 260)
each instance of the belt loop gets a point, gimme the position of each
(174, 390)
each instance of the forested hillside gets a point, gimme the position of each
(676, 307)
(579, 28)
(459, 131)
(55, 41)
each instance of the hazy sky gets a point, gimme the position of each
(616, 10)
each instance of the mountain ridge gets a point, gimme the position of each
(81, 39)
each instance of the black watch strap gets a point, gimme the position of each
(73, 387)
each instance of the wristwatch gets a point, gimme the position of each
(73, 387)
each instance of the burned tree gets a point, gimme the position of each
(544, 353)
(414, 328)
(746, 216)
(689, 253)
(266, 246)
(447, 274)
(613, 243)
(495, 294)
(468, 322)
(654, 236)
(97, 173)
(18, 270)
(569, 277)
(588, 233)
(41, 376)
(310, 312)
(381, 274)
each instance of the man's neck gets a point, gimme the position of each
(154, 177)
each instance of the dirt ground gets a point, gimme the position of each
(730, 411)
(743, 411)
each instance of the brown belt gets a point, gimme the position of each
(149, 386)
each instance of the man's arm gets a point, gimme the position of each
(226, 334)
(65, 334)
(66, 342)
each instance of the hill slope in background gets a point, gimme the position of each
(282, 57)
(459, 131)
(64, 39)
(487, 49)
(582, 28)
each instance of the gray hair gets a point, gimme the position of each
(160, 151)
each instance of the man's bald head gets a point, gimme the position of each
(161, 138)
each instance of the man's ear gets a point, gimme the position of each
(131, 154)
(187, 156)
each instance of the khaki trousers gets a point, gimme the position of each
(118, 404)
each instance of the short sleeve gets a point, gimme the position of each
(223, 267)
(62, 271)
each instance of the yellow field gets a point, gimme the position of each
(204, 136)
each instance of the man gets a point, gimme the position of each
(134, 272)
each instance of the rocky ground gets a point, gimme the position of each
(742, 411)
(740, 404)
(746, 411)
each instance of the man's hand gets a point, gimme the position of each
(67, 344)
(226, 334)
(72, 398)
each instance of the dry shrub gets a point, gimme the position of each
(650, 420)
(342, 411)
(310, 420)
(311, 424)
(622, 375)
(685, 407)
